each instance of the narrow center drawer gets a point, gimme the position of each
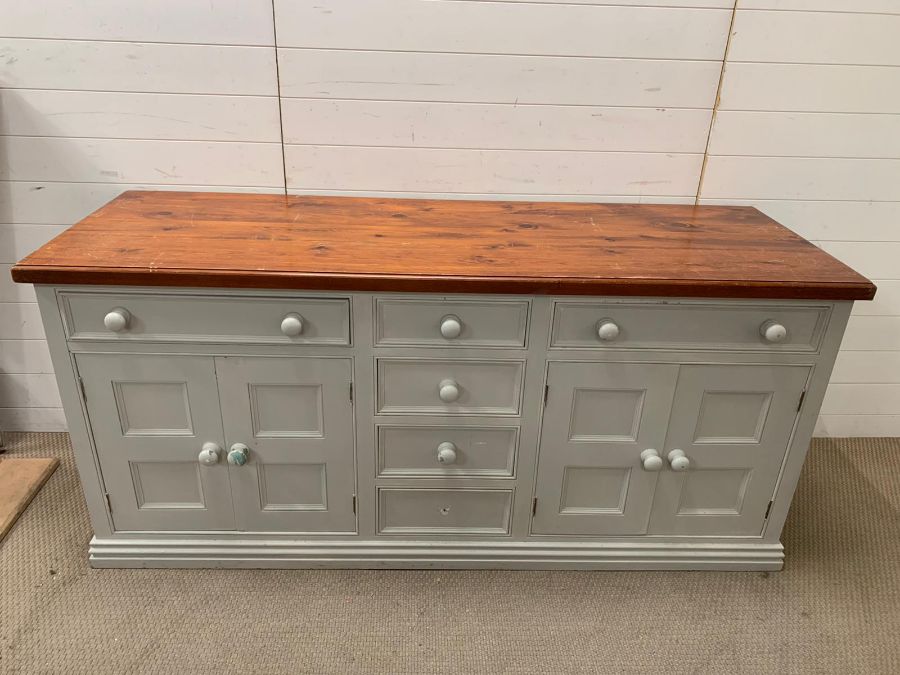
(444, 451)
(201, 318)
(443, 511)
(449, 386)
(448, 323)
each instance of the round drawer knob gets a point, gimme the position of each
(117, 319)
(210, 454)
(292, 324)
(773, 331)
(678, 460)
(451, 326)
(448, 390)
(651, 460)
(607, 330)
(238, 455)
(446, 453)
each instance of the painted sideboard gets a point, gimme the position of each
(270, 381)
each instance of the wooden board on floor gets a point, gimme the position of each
(20, 480)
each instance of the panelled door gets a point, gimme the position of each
(295, 417)
(598, 419)
(150, 416)
(733, 423)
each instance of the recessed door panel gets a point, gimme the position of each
(295, 416)
(598, 419)
(150, 416)
(733, 424)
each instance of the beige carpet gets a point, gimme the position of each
(835, 608)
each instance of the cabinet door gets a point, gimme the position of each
(733, 424)
(598, 419)
(295, 415)
(150, 416)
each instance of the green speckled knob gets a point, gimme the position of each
(238, 455)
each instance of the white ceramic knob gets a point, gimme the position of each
(448, 390)
(451, 326)
(292, 324)
(210, 454)
(772, 331)
(678, 460)
(651, 460)
(446, 453)
(117, 319)
(607, 330)
(238, 455)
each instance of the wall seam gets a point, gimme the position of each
(278, 93)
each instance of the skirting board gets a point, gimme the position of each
(264, 553)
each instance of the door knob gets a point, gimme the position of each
(238, 455)
(451, 326)
(772, 331)
(446, 453)
(607, 330)
(448, 390)
(292, 324)
(651, 460)
(678, 460)
(117, 319)
(210, 454)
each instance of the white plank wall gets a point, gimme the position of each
(588, 100)
(808, 131)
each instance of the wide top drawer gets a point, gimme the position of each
(204, 318)
(675, 325)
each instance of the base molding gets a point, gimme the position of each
(193, 552)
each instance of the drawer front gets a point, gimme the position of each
(448, 323)
(686, 326)
(197, 318)
(444, 511)
(439, 451)
(450, 387)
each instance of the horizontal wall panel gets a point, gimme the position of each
(886, 303)
(28, 390)
(142, 116)
(25, 356)
(815, 37)
(128, 161)
(872, 333)
(861, 399)
(13, 292)
(830, 220)
(400, 169)
(66, 203)
(493, 126)
(876, 260)
(240, 22)
(706, 4)
(801, 178)
(806, 134)
(504, 28)
(20, 321)
(502, 196)
(17, 241)
(142, 67)
(811, 88)
(842, 6)
(479, 78)
(865, 367)
(32, 419)
(843, 426)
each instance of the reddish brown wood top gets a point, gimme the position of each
(364, 244)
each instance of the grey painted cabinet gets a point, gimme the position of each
(280, 429)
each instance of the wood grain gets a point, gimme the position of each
(370, 244)
(20, 481)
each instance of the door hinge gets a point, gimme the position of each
(546, 393)
(81, 386)
(351, 391)
(800, 402)
(534, 506)
(354, 504)
(768, 509)
(108, 502)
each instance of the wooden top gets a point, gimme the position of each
(368, 244)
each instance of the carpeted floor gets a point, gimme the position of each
(834, 609)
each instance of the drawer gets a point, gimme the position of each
(449, 386)
(199, 318)
(448, 323)
(719, 326)
(444, 451)
(443, 511)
